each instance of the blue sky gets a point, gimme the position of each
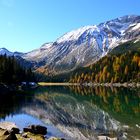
(27, 24)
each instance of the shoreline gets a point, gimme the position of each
(10, 131)
(126, 84)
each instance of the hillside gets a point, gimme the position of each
(122, 64)
(11, 72)
(83, 46)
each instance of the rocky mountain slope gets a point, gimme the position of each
(83, 46)
(4, 51)
(18, 56)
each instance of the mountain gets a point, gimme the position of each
(122, 64)
(18, 56)
(11, 72)
(83, 46)
(4, 51)
(80, 47)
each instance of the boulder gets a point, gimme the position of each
(36, 129)
(11, 127)
(54, 138)
(31, 136)
(106, 138)
(15, 130)
(7, 135)
(11, 136)
(9, 131)
(24, 135)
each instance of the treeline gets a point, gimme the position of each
(116, 67)
(11, 72)
(110, 99)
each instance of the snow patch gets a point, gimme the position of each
(136, 27)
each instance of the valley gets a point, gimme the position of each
(87, 84)
(81, 47)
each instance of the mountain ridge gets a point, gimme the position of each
(83, 46)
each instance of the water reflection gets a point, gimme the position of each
(81, 112)
(11, 103)
(118, 102)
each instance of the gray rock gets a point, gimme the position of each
(54, 138)
(25, 135)
(15, 130)
(8, 126)
(106, 138)
(11, 136)
(36, 129)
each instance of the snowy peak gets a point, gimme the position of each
(118, 24)
(75, 34)
(85, 45)
(39, 54)
(4, 51)
(110, 31)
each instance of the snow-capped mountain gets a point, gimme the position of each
(18, 56)
(4, 51)
(83, 46)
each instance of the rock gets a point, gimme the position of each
(3, 132)
(36, 129)
(10, 127)
(54, 138)
(35, 136)
(11, 136)
(30, 136)
(9, 131)
(6, 135)
(15, 130)
(106, 138)
(24, 135)
(27, 130)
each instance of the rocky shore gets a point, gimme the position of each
(5, 88)
(9, 131)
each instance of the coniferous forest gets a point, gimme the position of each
(11, 72)
(121, 65)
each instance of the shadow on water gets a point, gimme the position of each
(11, 103)
(81, 112)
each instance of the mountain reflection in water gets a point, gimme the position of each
(81, 112)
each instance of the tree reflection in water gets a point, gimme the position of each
(81, 112)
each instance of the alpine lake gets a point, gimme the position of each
(76, 112)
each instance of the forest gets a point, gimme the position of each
(11, 72)
(121, 65)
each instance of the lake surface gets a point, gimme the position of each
(76, 113)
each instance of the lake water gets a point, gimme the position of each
(76, 113)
